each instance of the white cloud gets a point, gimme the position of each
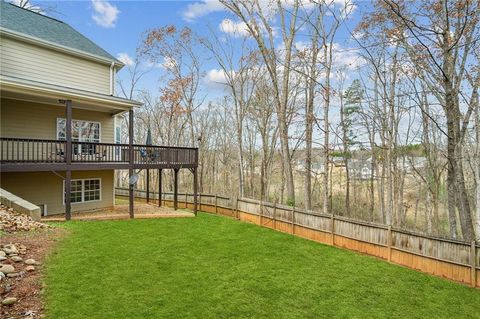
(346, 7)
(237, 29)
(28, 6)
(216, 76)
(216, 79)
(349, 58)
(168, 63)
(105, 14)
(240, 29)
(199, 9)
(125, 58)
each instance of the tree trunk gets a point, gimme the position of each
(308, 142)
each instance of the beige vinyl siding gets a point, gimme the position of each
(27, 61)
(47, 188)
(25, 119)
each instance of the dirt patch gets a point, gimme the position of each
(27, 286)
(142, 211)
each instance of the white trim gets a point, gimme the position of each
(83, 190)
(112, 67)
(45, 209)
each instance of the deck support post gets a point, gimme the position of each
(195, 191)
(68, 191)
(68, 159)
(130, 159)
(160, 187)
(148, 185)
(175, 188)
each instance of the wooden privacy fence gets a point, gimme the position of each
(452, 259)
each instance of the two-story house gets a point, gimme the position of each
(57, 119)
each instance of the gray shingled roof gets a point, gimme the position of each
(46, 28)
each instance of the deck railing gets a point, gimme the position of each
(21, 150)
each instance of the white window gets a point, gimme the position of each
(82, 131)
(84, 190)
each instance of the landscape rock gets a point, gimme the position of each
(10, 250)
(30, 261)
(2, 258)
(2, 253)
(13, 275)
(17, 259)
(7, 269)
(9, 301)
(30, 268)
(12, 221)
(2, 275)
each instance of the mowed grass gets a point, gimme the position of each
(215, 267)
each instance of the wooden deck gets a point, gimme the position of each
(119, 212)
(20, 154)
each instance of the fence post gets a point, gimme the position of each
(389, 243)
(216, 209)
(275, 214)
(293, 220)
(333, 229)
(200, 201)
(236, 208)
(186, 200)
(473, 260)
(261, 213)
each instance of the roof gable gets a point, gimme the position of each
(48, 29)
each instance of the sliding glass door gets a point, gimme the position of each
(82, 131)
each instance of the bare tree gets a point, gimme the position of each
(253, 14)
(240, 75)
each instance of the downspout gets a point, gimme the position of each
(112, 77)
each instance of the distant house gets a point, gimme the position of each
(411, 164)
(317, 166)
(361, 168)
(59, 143)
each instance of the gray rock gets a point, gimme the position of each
(2, 253)
(9, 301)
(7, 269)
(30, 261)
(17, 259)
(2, 258)
(10, 249)
(13, 274)
(2, 275)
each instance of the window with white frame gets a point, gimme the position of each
(82, 131)
(84, 190)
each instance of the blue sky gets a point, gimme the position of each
(118, 26)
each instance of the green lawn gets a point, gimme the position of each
(215, 267)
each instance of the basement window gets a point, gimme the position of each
(84, 190)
